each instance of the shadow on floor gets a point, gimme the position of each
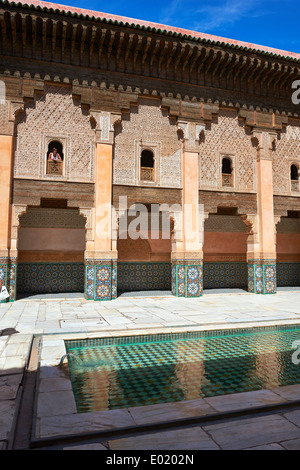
(8, 332)
(51, 296)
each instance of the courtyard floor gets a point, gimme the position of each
(266, 419)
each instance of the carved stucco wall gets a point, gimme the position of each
(287, 151)
(147, 126)
(227, 136)
(4, 116)
(55, 115)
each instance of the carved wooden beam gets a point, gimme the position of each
(127, 51)
(109, 48)
(153, 54)
(205, 57)
(167, 46)
(4, 39)
(100, 47)
(215, 57)
(13, 31)
(137, 50)
(120, 44)
(91, 45)
(24, 29)
(82, 43)
(172, 53)
(193, 60)
(186, 58)
(54, 37)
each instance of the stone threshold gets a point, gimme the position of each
(55, 417)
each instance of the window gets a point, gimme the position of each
(55, 158)
(147, 165)
(294, 178)
(227, 179)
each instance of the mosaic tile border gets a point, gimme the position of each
(100, 281)
(187, 279)
(47, 277)
(159, 337)
(262, 278)
(134, 276)
(8, 276)
(288, 274)
(3, 276)
(225, 274)
(12, 281)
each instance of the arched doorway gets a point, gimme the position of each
(225, 251)
(51, 244)
(144, 263)
(288, 250)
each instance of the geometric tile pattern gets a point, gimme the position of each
(48, 277)
(3, 275)
(101, 281)
(12, 281)
(187, 279)
(144, 276)
(225, 275)
(129, 374)
(288, 274)
(262, 278)
(8, 276)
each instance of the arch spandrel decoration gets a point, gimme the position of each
(54, 115)
(147, 125)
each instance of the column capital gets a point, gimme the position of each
(264, 142)
(192, 133)
(105, 123)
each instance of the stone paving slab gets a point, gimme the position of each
(50, 426)
(9, 386)
(86, 447)
(244, 400)
(48, 315)
(250, 432)
(131, 315)
(7, 412)
(170, 411)
(193, 438)
(293, 444)
(266, 447)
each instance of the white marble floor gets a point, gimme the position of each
(20, 320)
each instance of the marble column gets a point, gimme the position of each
(8, 264)
(101, 254)
(262, 249)
(187, 254)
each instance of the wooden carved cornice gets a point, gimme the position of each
(39, 35)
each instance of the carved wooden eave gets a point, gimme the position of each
(261, 120)
(33, 33)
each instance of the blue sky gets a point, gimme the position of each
(273, 23)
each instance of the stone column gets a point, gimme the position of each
(187, 255)
(7, 264)
(262, 247)
(101, 254)
(8, 216)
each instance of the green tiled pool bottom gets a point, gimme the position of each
(111, 373)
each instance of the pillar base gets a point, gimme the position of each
(8, 276)
(262, 276)
(187, 278)
(100, 280)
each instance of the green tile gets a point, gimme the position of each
(149, 369)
